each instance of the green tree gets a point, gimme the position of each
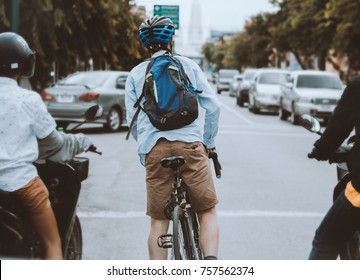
(240, 51)
(71, 35)
(346, 15)
(260, 39)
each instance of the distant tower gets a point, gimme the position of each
(195, 27)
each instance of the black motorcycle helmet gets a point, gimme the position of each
(16, 58)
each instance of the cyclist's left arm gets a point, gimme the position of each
(130, 100)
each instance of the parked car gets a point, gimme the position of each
(312, 92)
(235, 84)
(224, 78)
(264, 93)
(242, 95)
(71, 97)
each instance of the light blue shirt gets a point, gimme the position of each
(203, 129)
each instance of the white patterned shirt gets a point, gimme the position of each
(23, 120)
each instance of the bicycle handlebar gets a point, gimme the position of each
(217, 166)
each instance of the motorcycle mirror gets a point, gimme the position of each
(93, 113)
(310, 123)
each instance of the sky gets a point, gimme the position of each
(220, 15)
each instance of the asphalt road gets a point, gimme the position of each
(271, 196)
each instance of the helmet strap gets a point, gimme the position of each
(157, 47)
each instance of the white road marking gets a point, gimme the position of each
(239, 213)
(266, 133)
(236, 113)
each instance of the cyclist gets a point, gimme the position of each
(343, 218)
(26, 127)
(156, 34)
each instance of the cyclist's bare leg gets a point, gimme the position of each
(158, 227)
(209, 232)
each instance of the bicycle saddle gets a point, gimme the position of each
(172, 162)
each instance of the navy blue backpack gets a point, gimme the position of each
(170, 98)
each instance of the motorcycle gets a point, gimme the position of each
(351, 250)
(18, 239)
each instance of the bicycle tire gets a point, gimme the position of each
(183, 232)
(196, 232)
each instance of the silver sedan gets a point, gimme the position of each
(67, 100)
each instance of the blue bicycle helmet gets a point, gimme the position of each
(156, 30)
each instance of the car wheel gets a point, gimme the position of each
(241, 101)
(250, 106)
(283, 114)
(62, 124)
(113, 120)
(294, 118)
(256, 110)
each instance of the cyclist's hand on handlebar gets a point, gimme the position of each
(315, 153)
(213, 155)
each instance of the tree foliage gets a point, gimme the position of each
(71, 35)
(328, 30)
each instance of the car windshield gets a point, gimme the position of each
(273, 78)
(86, 79)
(318, 81)
(249, 75)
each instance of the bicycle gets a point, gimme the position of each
(184, 241)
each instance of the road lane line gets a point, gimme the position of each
(236, 113)
(239, 213)
(266, 133)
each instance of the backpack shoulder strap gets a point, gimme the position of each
(187, 79)
(137, 103)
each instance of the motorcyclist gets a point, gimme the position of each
(28, 132)
(343, 218)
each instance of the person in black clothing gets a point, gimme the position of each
(343, 218)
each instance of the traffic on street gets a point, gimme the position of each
(271, 196)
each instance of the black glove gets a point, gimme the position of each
(315, 153)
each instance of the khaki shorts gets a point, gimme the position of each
(195, 172)
(34, 196)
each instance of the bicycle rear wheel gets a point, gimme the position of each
(183, 232)
(196, 232)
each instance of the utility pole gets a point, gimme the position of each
(15, 16)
